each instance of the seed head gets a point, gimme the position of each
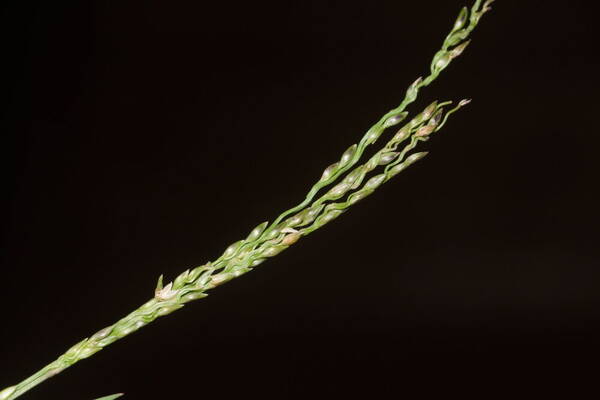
(457, 51)
(348, 154)
(372, 136)
(338, 190)
(462, 18)
(375, 182)
(256, 232)
(218, 279)
(442, 62)
(424, 130)
(413, 90)
(395, 120)
(291, 238)
(329, 171)
(437, 117)
(388, 157)
(401, 135)
(165, 293)
(428, 112)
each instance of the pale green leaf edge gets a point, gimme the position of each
(111, 397)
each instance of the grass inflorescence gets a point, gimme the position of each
(346, 181)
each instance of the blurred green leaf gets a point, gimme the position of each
(111, 397)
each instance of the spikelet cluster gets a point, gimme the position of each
(342, 184)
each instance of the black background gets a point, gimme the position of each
(151, 134)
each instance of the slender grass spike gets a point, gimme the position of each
(268, 240)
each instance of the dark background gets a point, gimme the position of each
(145, 136)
